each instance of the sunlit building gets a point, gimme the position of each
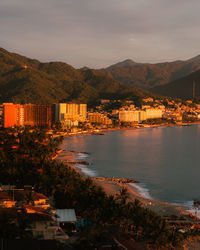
(154, 113)
(12, 115)
(37, 115)
(59, 111)
(98, 118)
(139, 115)
(129, 116)
(70, 111)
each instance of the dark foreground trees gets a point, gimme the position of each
(26, 159)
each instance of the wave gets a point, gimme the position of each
(80, 156)
(87, 171)
(142, 190)
(188, 206)
(194, 212)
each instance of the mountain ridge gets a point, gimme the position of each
(148, 75)
(181, 88)
(24, 80)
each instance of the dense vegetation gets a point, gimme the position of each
(181, 88)
(56, 82)
(146, 75)
(25, 158)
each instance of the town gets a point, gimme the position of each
(73, 117)
(46, 203)
(38, 194)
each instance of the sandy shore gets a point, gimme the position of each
(67, 155)
(162, 208)
(112, 188)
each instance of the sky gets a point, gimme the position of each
(98, 33)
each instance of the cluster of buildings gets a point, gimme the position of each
(12, 115)
(71, 115)
(44, 221)
(136, 115)
(28, 114)
(66, 114)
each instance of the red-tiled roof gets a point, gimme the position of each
(36, 209)
(20, 195)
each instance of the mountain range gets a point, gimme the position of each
(147, 76)
(184, 87)
(52, 82)
(25, 80)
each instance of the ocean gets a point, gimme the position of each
(165, 160)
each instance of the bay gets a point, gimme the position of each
(165, 160)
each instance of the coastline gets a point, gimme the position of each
(112, 187)
(162, 208)
(144, 126)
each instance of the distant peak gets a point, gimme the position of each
(125, 63)
(84, 68)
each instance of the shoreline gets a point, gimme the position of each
(112, 187)
(162, 208)
(145, 126)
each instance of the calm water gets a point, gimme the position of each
(164, 160)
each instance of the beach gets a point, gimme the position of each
(113, 187)
(162, 208)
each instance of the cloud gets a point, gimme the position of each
(97, 33)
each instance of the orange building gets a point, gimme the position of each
(28, 114)
(13, 115)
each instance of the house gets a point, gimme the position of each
(44, 225)
(10, 198)
(67, 218)
(6, 200)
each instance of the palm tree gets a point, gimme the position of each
(29, 198)
(123, 196)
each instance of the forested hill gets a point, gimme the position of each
(55, 82)
(181, 88)
(146, 75)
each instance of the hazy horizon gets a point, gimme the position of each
(98, 34)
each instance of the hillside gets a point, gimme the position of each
(55, 81)
(182, 88)
(146, 76)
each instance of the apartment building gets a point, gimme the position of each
(37, 115)
(70, 111)
(98, 118)
(139, 115)
(12, 115)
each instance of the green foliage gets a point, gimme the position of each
(181, 88)
(52, 82)
(147, 76)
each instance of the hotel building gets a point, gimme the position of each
(98, 118)
(65, 112)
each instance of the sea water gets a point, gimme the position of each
(165, 160)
